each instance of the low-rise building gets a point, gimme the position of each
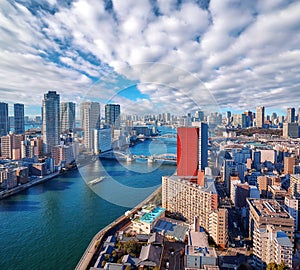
(146, 220)
(198, 253)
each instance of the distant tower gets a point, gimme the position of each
(67, 116)
(290, 117)
(90, 120)
(260, 116)
(19, 118)
(112, 115)
(3, 119)
(50, 114)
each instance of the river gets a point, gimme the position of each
(50, 225)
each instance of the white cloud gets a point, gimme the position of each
(244, 52)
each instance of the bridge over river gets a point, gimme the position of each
(167, 157)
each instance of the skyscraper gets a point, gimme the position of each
(112, 114)
(67, 116)
(192, 149)
(90, 120)
(187, 151)
(3, 119)
(50, 115)
(19, 118)
(290, 117)
(260, 116)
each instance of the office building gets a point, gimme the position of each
(260, 116)
(180, 195)
(187, 151)
(4, 126)
(240, 120)
(290, 117)
(271, 244)
(290, 130)
(263, 212)
(112, 115)
(90, 120)
(192, 149)
(102, 140)
(218, 226)
(67, 117)
(19, 124)
(51, 122)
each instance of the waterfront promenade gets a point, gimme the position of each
(93, 250)
(17, 189)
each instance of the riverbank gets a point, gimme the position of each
(6, 193)
(90, 255)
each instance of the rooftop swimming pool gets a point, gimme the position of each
(153, 215)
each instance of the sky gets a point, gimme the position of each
(152, 56)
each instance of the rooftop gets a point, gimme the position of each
(153, 215)
(268, 208)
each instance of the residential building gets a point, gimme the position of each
(271, 244)
(67, 117)
(292, 207)
(218, 226)
(181, 195)
(63, 153)
(51, 122)
(19, 119)
(294, 188)
(90, 120)
(263, 212)
(11, 146)
(4, 126)
(289, 163)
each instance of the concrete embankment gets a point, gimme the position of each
(15, 190)
(92, 252)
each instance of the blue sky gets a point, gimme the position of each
(152, 55)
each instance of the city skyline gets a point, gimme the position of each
(217, 44)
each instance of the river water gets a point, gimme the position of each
(50, 225)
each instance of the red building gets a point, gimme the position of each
(187, 151)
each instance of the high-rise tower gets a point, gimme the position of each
(112, 114)
(290, 117)
(67, 116)
(260, 116)
(192, 149)
(50, 114)
(19, 118)
(3, 119)
(90, 120)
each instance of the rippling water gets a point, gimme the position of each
(50, 225)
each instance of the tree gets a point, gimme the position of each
(275, 266)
